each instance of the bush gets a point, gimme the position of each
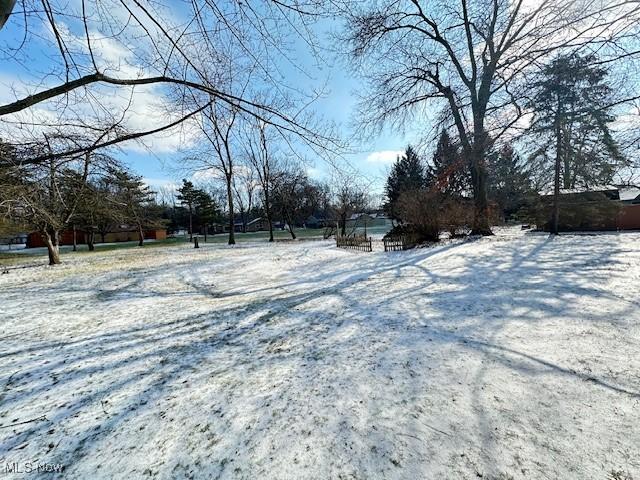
(578, 212)
(456, 215)
(419, 212)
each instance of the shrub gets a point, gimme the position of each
(455, 216)
(578, 212)
(419, 212)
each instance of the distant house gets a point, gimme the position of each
(238, 227)
(217, 228)
(123, 234)
(315, 222)
(257, 225)
(14, 240)
(629, 217)
(606, 207)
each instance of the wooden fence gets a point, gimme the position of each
(399, 242)
(356, 242)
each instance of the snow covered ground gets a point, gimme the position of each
(510, 357)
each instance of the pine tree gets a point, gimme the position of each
(448, 173)
(509, 182)
(407, 175)
(572, 105)
(137, 199)
(206, 209)
(188, 196)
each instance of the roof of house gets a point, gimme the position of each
(570, 191)
(255, 220)
(357, 216)
(624, 193)
(629, 193)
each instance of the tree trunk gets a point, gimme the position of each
(232, 235)
(243, 216)
(567, 182)
(205, 233)
(51, 239)
(566, 174)
(75, 239)
(267, 211)
(290, 225)
(555, 219)
(140, 235)
(91, 240)
(481, 223)
(343, 224)
(103, 235)
(190, 224)
(270, 222)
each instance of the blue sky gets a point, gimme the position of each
(162, 165)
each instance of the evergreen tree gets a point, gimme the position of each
(448, 173)
(572, 108)
(188, 196)
(407, 175)
(137, 199)
(509, 182)
(571, 105)
(98, 210)
(207, 210)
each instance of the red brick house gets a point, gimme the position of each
(34, 239)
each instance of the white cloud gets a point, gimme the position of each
(207, 175)
(315, 173)
(160, 182)
(384, 156)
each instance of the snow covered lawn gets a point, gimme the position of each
(510, 357)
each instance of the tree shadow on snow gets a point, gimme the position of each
(306, 369)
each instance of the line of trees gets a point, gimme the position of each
(283, 196)
(483, 64)
(91, 193)
(426, 197)
(206, 76)
(569, 144)
(488, 73)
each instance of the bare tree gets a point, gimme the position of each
(288, 194)
(244, 188)
(107, 51)
(473, 59)
(46, 195)
(217, 124)
(349, 197)
(259, 151)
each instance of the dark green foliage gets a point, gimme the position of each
(98, 210)
(187, 196)
(587, 211)
(206, 209)
(572, 105)
(448, 173)
(199, 208)
(509, 183)
(407, 174)
(137, 202)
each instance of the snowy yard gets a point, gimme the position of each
(509, 357)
